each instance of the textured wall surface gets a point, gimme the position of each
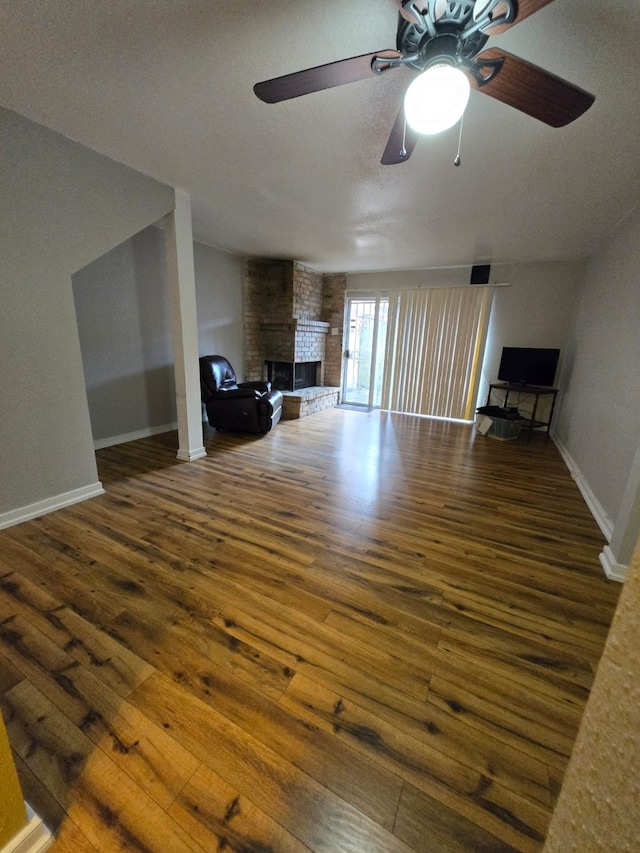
(599, 805)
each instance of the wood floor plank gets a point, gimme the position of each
(153, 594)
(400, 644)
(70, 839)
(267, 571)
(84, 781)
(265, 721)
(38, 559)
(119, 668)
(37, 794)
(10, 675)
(518, 819)
(145, 752)
(209, 809)
(261, 616)
(352, 583)
(429, 826)
(151, 633)
(583, 641)
(545, 659)
(357, 633)
(512, 725)
(348, 587)
(543, 673)
(429, 553)
(306, 646)
(511, 767)
(124, 565)
(308, 810)
(559, 710)
(367, 579)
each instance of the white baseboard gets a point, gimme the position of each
(614, 571)
(602, 519)
(33, 838)
(190, 455)
(26, 513)
(99, 443)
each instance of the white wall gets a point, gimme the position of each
(124, 323)
(122, 308)
(220, 307)
(61, 206)
(536, 310)
(599, 422)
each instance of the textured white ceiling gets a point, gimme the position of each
(166, 87)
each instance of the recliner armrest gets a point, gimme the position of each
(263, 387)
(237, 394)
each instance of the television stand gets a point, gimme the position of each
(536, 391)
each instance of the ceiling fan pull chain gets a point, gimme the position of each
(403, 149)
(457, 161)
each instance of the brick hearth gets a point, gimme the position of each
(308, 401)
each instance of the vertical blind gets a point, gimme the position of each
(435, 345)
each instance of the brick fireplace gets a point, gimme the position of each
(300, 344)
(293, 318)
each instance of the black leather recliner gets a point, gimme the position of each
(233, 406)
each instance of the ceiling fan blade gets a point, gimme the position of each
(531, 89)
(525, 8)
(401, 142)
(321, 77)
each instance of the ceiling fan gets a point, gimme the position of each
(440, 38)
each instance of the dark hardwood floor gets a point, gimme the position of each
(361, 632)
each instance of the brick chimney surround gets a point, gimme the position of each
(294, 315)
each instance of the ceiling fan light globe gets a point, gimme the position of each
(436, 99)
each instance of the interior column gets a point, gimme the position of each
(178, 237)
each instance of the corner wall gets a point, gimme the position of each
(124, 322)
(62, 205)
(122, 310)
(599, 422)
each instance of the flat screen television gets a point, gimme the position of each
(528, 366)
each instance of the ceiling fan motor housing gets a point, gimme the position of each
(442, 42)
(448, 31)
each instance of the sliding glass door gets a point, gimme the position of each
(417, 351)
(363, 364)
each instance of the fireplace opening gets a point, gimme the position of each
(287, 376)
